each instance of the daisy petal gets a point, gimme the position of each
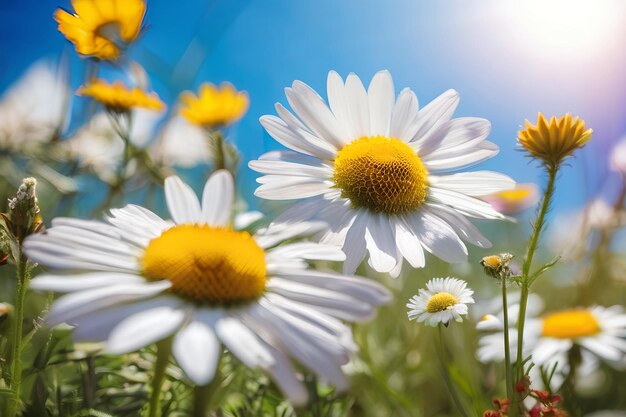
(217, 199)
(182, 202)
(381, 97)
(144, 328)
(197, 351)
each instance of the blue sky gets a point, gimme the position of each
(507, 59)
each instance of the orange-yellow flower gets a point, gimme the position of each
(118, 97)
(214, 106)
(554, 141)
(99, 27)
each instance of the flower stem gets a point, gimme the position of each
(528, 259)
(23, 276)
(164, 349)
(202, 396)
(446, 374)
(219, 156)
(507, 345)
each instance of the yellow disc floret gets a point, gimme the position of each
(570, 324)
(206, 264)
(381, 174)
(440, 302)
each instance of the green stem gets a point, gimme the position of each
(528, 259)
(23, 276)
(219, 157)
(164, 349)
(446, 375)
(202, 396)
(507, 345)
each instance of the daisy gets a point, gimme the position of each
(139, 279)
(119, 98)
(599, 332)
(99, 28)
(33, 110)
(379, 171)
(443, 299)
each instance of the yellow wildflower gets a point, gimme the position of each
(99, 27)
(118, 97)
(214, 106)
(554, 141)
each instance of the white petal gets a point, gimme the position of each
(278, 187)
(144, 328)
(380, 240)
(409, 245)
(307, 250)
(359, 106)
(463, 133)
(461, 158)
(354, 244)
(404, 116)
(339, 104)
(73, 305)
(284, 375)
(438, 237)
(217, 199)
(462, 226)
(98, 325)
(432, 116)
(468, 206)
(197, 351)
(79, 282)
(246, 219)
(291, 168)
(182, 202)
(295, 139)
(312, 110)
(243, 343)
(476, 183)
(381, 98)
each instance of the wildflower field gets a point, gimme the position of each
(279, 209)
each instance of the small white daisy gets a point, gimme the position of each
(380, 171)
(443, 299)
(600, 332)
(35, 107)
(140, 279)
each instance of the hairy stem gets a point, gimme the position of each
(528, 259)
(507, 346)
(23, 276)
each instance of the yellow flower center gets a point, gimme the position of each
(440, 302)
(570, 324)
(207, 265)
(492, 261)
(381, 174)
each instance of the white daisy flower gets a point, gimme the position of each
(600, 332)
(140, 279)
(35, 107)
(379, 170)
(443, 299)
